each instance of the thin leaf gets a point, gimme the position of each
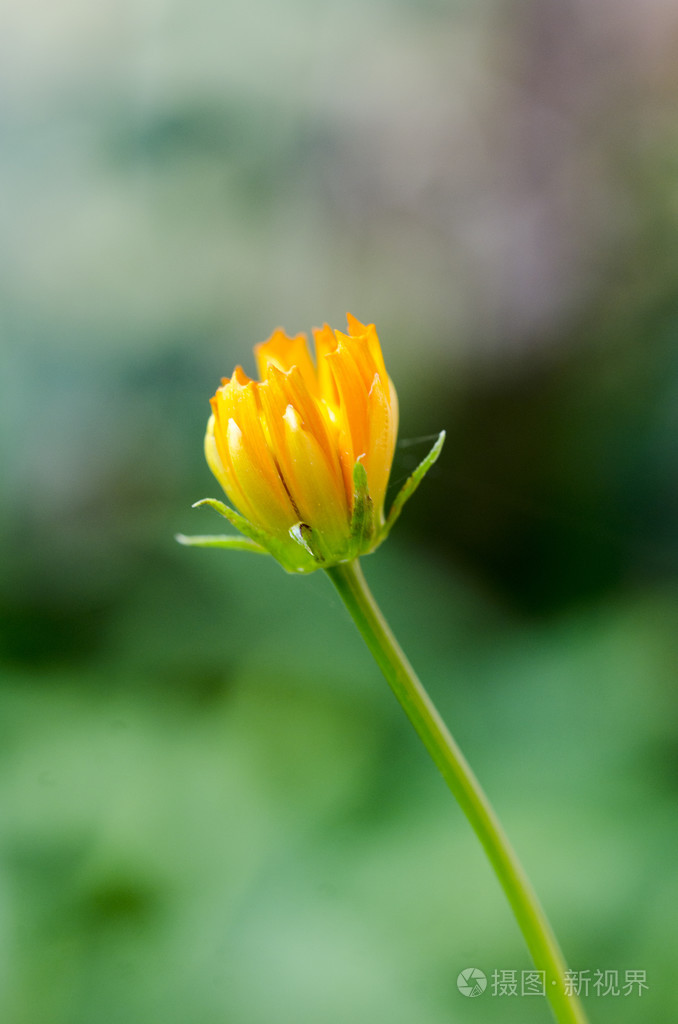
(411, 484)
(234, 543)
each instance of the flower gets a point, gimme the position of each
(304, 454)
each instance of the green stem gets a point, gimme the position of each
(541, 942)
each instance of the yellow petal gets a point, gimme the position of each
(318, 493)
(284, 352)
(352, 412)
(361, 355)
(272, 509)
(367, 334)
(212, 454)
(290, 388)
(355, 328)
(383, 431)
(219, 457)
(255, 486)
(325, 342)
(304, 453)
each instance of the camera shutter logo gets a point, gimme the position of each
(471, 982)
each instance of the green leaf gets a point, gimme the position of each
(411, 484)
(234, 543)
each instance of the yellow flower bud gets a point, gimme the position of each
(284, 448)
(304, 453)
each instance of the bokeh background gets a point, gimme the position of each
(212, 808)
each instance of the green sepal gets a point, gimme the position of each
(411, 484)
(291, 559)
(227, 512)
(362, 520)
(260, 537)
(234, 543)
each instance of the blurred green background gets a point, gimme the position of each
(212, 809)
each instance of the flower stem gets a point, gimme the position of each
(542, 943)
